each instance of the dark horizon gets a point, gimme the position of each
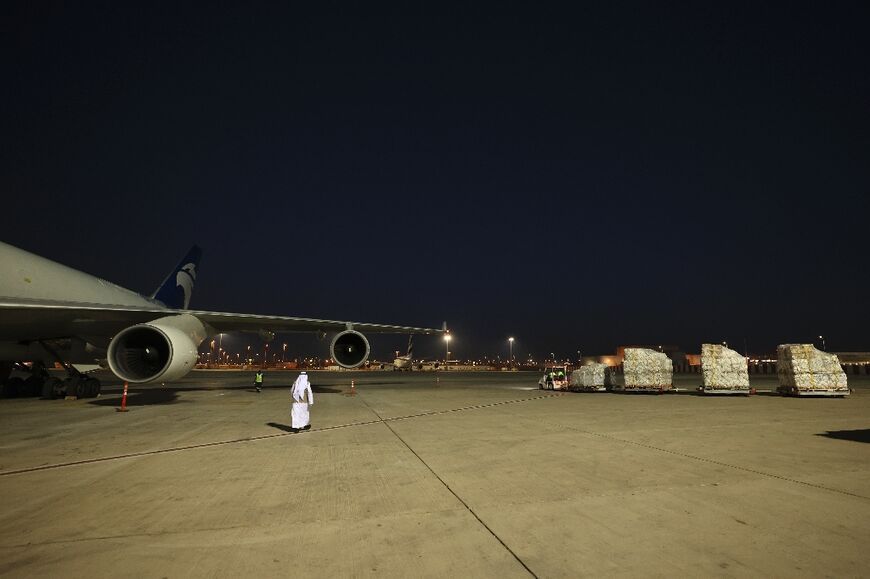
(579, 179)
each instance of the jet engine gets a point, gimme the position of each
(162, 350)
(349, 349)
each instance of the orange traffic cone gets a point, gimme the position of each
(123, 407)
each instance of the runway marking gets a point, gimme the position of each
(264, 436)
(386, 422)
(714, 461)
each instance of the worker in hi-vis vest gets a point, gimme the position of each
(258, 380)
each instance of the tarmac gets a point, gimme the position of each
(434, 475)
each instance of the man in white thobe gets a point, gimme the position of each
(299, 417)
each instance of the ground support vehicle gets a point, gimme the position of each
(555, 377)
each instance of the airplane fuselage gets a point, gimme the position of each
(39, 279)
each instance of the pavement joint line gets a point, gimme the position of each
(122, 536)
(717, 462)
(261, 437)
(447, 486)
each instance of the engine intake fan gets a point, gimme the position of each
(349, 349)
(161, 350)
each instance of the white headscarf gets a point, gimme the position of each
(300, 386)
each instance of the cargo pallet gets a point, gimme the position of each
(704, 390)
(792, 391)
(644, 389)
(587, 388)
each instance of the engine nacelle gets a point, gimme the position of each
(158, 351)
(349, 349)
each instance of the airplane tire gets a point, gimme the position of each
(71, 387)
(32, 387)
(11, 388)
(50, 388)
(89, 388)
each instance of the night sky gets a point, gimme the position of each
(635, 173)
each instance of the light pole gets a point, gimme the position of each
(511, 344)
(824, 347)
(283, 353)
(447, 350)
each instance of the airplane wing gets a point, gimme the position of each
(227, 322)
(39, 319)
(46, 307)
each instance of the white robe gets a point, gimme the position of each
(299, 416)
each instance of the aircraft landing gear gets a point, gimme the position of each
(18, 387)
(38, 382)
(50, 387)
(8, 388)
(75, 384)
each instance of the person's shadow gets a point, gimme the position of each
(314, 388)
(283, 427)
(853, 435)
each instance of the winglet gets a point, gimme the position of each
(444, 327)
(176, 289)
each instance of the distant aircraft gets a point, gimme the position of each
(406, 362)
(50, 312)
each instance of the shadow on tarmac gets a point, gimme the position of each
(853, 435)
(742, 394)
(155, 396)
(283, 427)
(143, 398)
(315, 389)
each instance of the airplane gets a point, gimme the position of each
(405, 362)
(53, 313)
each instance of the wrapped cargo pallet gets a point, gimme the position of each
(724, 371)
(592, 377)
(647, 370)
(805, 371)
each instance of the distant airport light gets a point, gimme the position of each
(447, 338)
(511, 344)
